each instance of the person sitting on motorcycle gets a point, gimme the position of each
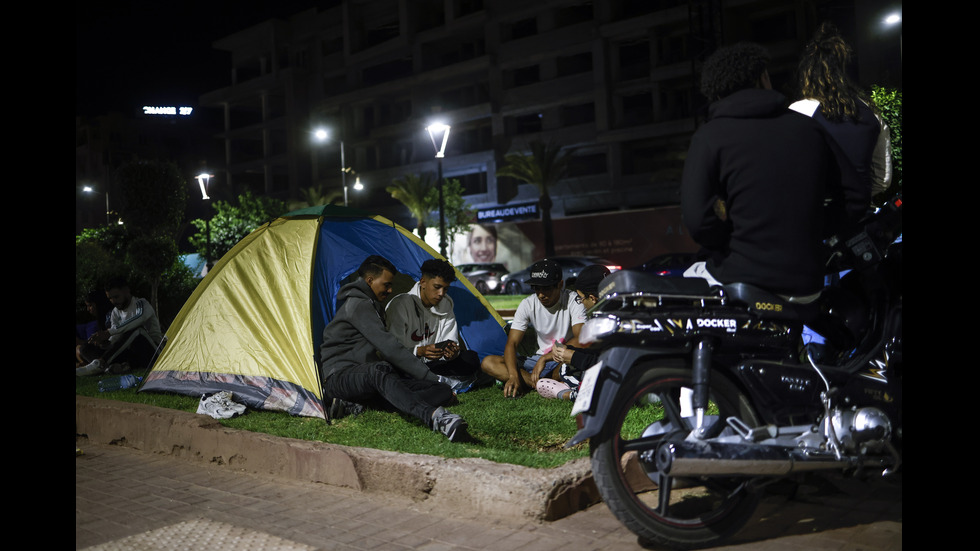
(756, 180)
(555, 313)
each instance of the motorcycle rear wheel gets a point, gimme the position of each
(694, 512)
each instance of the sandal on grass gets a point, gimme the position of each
(550, 388)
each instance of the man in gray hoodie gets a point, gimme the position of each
(362, 363)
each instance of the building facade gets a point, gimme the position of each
(614, 82)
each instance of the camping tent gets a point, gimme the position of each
(253, 326)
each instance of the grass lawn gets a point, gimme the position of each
(504, 302)
(529, 431)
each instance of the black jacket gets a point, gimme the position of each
(774, 169)
(357, 335)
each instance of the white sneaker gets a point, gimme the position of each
(93, 368)
(220, 406)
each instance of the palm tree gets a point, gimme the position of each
(543, 166)
(413, 191)
(315, 196)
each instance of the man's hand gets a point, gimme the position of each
(539, 367)
(451, 350)
(512, 387)
(562, 355)
(429, 352)
(99, 337)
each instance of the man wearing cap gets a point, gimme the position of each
(555, 313)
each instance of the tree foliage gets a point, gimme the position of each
(316, 196)
(231, 222)
(413, 191)
(888, 102)
(457, 212)
(101, 253)
(152, 200)
(152, 197)
(543, 166)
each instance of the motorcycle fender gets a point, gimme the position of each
(615, 364)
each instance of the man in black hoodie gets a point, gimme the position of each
(756, 179)
(361, 362)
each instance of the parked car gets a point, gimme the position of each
(570, 267)
(485, 277)
(670, 264)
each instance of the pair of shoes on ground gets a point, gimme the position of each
(451, 425)
(550, 388)
(342, 408)
(220, 405)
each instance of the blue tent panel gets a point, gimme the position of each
(345, 242)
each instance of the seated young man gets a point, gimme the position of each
(555, 314)
(362, 364)
(574, 361)
(131, 339)
(424, 321)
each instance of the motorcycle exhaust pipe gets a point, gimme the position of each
(693, 458)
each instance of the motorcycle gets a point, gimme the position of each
(702, 396)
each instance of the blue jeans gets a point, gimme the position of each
(529, 361)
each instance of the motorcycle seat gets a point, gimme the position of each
(767, 304)
(630, 281)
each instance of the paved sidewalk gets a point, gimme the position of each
(127, 499)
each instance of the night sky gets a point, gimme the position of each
(131, 53)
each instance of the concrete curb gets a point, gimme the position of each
(481, 487)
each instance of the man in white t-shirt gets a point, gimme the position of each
(555, 313)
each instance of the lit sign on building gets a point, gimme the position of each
(513, 212)
(182, 111)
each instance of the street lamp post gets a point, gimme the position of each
(90, 189)
(439, 134)
(895, 20)
(203, 180)
(321, 135)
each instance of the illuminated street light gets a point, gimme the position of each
(321, 135)
(90, 189)
(895, 20)
(204, 179)
(439, 134)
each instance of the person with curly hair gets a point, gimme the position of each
(832, 99)
(756, 179)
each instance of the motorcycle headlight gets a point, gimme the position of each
(597, 328)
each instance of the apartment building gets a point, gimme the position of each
(612, 81)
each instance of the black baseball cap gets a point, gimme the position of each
(544, 273)
(588, 279)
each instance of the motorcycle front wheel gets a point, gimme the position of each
(680, 513)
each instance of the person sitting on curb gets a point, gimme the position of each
(574, 361)
(353, 374)
(555, 314)
(132, 337)
(424, 321)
